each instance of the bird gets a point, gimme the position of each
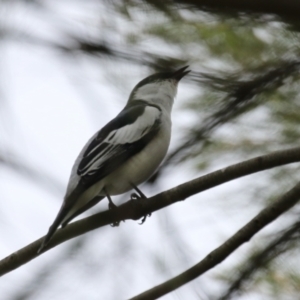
(125, 152)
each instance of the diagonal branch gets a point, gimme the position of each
(137, 209)
(283, 8)
(260, 260)
(266, 216)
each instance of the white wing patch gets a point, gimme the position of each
(133, 132)
(125, 135)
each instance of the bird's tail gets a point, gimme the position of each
(52, 230)
(67, 205)
(90, 204)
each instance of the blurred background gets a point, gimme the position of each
(67, 68)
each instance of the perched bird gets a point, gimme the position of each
(125, 152)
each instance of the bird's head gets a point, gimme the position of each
(159, 88)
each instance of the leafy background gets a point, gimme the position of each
(67, 67)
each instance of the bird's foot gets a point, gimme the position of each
(115, 224)
(112, 206)
(136, 197)
(144, 219)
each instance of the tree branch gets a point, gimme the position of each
(283, 8)
(136, 209)
(260, 260)
(266, 216)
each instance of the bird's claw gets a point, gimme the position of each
(115, 224)
(112, 206)
(139, 196)
(135, 196)
(144, 219)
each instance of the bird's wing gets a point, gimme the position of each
(120, 139)
(123, 137)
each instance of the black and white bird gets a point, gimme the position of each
(125, 152)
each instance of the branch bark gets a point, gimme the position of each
(266, 216)
(137, 209)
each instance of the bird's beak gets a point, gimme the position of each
(177, 75)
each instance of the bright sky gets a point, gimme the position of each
(51, 108)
